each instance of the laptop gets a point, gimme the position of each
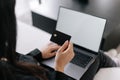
(86, 33)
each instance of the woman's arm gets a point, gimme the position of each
(47, 52)
(63, 56)
(36, 54)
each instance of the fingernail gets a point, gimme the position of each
(66, 41)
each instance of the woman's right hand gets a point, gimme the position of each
(63, 56)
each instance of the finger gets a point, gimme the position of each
(70, 56)
(71, 45)
(51, 43)
(69, 51)
(69, 48)
(64, 46)
(54, 48)
(53, 53)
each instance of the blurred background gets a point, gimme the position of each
(23, 12)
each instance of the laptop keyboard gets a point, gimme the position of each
(81, 59)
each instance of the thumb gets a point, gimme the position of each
(64, 46)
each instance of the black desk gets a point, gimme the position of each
(108, 9)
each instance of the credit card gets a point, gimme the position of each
(59, 37)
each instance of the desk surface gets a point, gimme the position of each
(108, 9)
(30, 37)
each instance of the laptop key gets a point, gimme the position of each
(81, 59)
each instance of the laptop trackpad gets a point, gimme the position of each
(71, 70)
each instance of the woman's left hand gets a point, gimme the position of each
(50, 50)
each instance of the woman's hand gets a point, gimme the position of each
(49, 51)
(63, 56)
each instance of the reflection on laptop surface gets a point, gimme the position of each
(86, 33)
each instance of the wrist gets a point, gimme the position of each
(42, 54)
(58, 68)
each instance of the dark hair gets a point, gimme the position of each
(8, 45)
(7, 29)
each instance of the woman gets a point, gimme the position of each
(14, 66)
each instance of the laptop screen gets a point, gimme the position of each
(85, 30)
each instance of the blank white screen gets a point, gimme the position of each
(86, 30)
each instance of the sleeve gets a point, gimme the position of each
(36, 54)
(62, 76)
